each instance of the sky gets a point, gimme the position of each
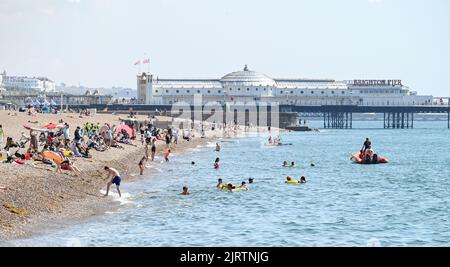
(96, 42)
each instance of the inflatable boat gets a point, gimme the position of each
(358, 158)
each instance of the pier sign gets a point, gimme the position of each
(377, 82)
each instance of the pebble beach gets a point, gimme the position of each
(34, 196)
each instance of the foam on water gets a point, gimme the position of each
(125, 199)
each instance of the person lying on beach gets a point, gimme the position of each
(114, 177)
(141, 164)
(10, 143)
(185, 191)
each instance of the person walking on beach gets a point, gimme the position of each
(114, 175)
(2, 135)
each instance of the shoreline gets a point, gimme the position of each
(38, 200)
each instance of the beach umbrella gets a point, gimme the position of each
(53, 103)
(126, 128)
(52, 126)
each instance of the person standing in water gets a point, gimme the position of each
(217, 164)
(217, 147)
(114, 175)
(141, 164)
(153, 149)
(167, 155)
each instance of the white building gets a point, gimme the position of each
(247, 85)
(41, 84)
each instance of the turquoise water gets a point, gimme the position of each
(404, 203)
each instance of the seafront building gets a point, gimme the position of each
(27, 84)
(248, 86)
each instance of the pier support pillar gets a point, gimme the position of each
(337, 120)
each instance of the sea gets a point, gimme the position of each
(403, 203)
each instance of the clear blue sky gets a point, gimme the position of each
(95, 42)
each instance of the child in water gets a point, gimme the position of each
(217, 164)
(167, 155)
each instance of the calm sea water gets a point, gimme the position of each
(404, 203)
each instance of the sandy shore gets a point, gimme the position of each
(36, 196)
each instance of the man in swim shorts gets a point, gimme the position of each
(115, 179)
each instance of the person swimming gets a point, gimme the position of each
(230, 187)
(250, 180)
(193, 163)
(290, 181)
(220, 183)
(244, 186)
(185, 191)
(303, 180)
(292, 164)
(217, 164)
(285, 163)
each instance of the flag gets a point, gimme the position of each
(146, 61)
(137, 62)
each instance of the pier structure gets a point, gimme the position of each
(334, 117)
